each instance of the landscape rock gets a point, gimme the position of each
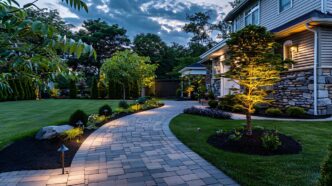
(50, 132)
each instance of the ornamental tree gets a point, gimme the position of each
(129, 70)
(254, 66)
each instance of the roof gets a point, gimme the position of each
(195, 66)
(213, 49)
(232, 14)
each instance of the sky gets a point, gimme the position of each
(162, 17)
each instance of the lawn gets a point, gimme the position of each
(301, 169)
(23, 118)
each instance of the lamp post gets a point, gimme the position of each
(62, 150)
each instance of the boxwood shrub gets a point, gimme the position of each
(295, 111)
(213, 113)
(273, 112)
(78, 115)
(105, 110)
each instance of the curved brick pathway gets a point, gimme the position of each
(134, 150)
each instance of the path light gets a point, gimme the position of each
(105, 112)
(62, 150)
(79, 123)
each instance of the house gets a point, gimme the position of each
(304, 29)
(187, 73)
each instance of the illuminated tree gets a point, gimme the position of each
(254, 66)
(129, 70)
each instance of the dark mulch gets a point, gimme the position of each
(32, 154)
(253, 144)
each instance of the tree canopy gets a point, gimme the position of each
(129, 69)
(29, 47)
(254, 66)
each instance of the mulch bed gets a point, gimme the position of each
(32, 154)
(253, 144)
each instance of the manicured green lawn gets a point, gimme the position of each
(23, 118)
(301, 169)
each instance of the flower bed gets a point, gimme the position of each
(32, 154)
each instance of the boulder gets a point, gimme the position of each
(50, 132)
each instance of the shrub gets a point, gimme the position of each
(152, 103)
(227, 102)
(71, 134)
(213, 103)
(270, 140)
(94, 88)
(78, 115)
(135, 108)
(273, 112)
(211, 95)
(326, 169)
(123, 104)
(142, 100)
(72, 89)
(105, 110)
(295, 111)
(213, 113)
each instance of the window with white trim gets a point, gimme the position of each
(285, 5)
(252, 15)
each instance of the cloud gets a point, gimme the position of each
(163, 17)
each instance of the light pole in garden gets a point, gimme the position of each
(62, 150)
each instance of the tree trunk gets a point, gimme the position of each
(142, 91)
(124, 92)
(249, 124)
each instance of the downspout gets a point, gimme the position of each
(315, 66)
(323, 6)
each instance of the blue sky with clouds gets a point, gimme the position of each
(162, 17)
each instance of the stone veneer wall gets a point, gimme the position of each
(296, 89)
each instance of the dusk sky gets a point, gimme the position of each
(162, 17)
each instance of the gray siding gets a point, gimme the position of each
(325, 47)
(305, 55)
(271, 18)
(329, 6)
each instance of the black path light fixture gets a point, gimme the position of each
(105, 112)
(80, 124)
(62, 150)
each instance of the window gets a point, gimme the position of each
(237, 24)
(289, 51)
(285, 4)
(252, 15)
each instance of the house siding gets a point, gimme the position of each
(271, 18)
(325, 47)
(305, 42)
(328, 4)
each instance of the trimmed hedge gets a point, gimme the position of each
(213, 104)
(295, 111)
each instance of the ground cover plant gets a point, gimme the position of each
(297, 169)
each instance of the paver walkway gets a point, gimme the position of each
(134, 150)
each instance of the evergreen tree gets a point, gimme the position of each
(94, 88)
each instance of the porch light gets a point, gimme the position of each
(294, 48)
